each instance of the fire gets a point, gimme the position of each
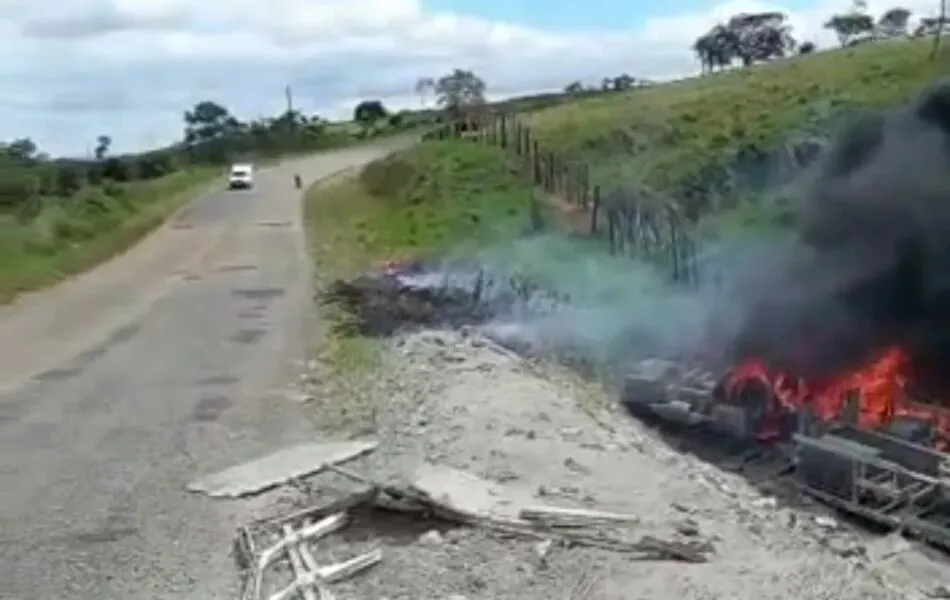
(880, 386)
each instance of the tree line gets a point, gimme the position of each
(212, 135)
(750, 38)
(31, 180)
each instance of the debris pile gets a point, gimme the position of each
(433, 492)
(894, 481)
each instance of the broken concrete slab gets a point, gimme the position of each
(280, 467)
(470, 497)
(467, 498)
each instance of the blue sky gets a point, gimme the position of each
(566, 15)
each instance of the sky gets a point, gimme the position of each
(77, 69)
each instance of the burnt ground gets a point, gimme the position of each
(459, 399)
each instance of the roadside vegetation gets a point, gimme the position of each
(60, 216)
(428, 200)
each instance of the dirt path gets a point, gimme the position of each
(118, 387)
(462, 401)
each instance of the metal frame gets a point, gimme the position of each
(895, 483)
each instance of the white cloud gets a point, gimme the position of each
(130, 67)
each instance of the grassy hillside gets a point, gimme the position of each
(671, 135)
(668, 136)
(427, 200)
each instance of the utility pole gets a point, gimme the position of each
(291, 121)
(941, 22)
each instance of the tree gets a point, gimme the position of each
(760, 36)
(369, 111)
(22, 149)
(893, 23)
(208, 121)
(941, 23)
(623, 82)
(424, 87)
(929, 26)
(746, 37)
(850, 26)
(573, 88)
(399, 119)
(460, 91)
(102, 146)
(717, 48)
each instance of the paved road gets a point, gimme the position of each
(120, 386)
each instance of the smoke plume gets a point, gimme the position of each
(870, 263)
(616, 311)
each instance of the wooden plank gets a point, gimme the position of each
(573, 517)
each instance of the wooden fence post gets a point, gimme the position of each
(567, 182)
(595, 209)
(504, 131)
(536, 160)
(674, 251)
(537, 220)
(611, 241)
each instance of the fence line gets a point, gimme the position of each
(632, 225)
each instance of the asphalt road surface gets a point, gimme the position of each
(120, 386)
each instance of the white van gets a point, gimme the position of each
(241, 176)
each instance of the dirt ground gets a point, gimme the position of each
(456, 398)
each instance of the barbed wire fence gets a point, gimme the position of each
(643, 226)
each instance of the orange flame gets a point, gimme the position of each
(880, 385)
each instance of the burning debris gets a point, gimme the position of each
(852, 332)
(892, 476)
(840, 361)
(418, 294)
(860, 299)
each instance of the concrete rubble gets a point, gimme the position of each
(442, 494)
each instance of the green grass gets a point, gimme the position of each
(428, 200)
(70, 236)
(670, 135)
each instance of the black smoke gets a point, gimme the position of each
(870, 263)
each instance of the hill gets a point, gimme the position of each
(687, 137)
(695, 140)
